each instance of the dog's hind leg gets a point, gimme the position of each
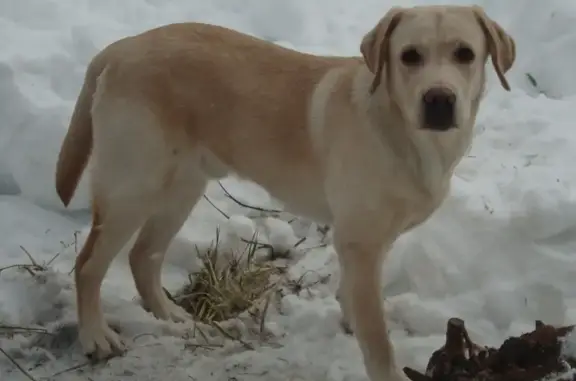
(132, 161)
(113, 225)
(147, 255)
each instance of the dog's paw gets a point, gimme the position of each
(177, 314)
(100, 342)
(166, 309)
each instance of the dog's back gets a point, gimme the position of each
(213, 89)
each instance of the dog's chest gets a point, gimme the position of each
(299, 187)
(423, 208)
(303, 199)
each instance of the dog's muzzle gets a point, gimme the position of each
(438, 106)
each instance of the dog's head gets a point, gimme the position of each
(430, 60)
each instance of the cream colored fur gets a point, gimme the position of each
(338, 139)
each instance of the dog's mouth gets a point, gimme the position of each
(438, 127)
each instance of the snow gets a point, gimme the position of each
(499, 253)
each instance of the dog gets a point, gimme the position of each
(367, 144)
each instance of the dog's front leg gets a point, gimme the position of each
(359, 293)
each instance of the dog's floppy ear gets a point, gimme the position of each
(376, 43)
(501, 46)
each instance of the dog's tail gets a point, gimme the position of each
(77, 145)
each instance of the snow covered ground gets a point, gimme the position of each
(500, 253)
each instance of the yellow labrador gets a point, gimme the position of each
(367, 144)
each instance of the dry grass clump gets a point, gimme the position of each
(223, 289)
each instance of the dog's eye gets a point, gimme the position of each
(411, 57)
(464, 55)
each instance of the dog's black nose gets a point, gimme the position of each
(438, 108)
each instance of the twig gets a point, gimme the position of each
(201, 332)
(315, 247)
(257, 244)
(264, 314)
(14, 328)
(76, 232)
(31, 269)
(217, 208)
(203, 346)
(194, 346)
(15, 363)
(49, 263)
(24, 267)
(300, 241)
(260, 209)
(71, 369)
(230, 336)
(30, 257)
(147, 334)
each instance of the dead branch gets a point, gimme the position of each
(248, 206)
